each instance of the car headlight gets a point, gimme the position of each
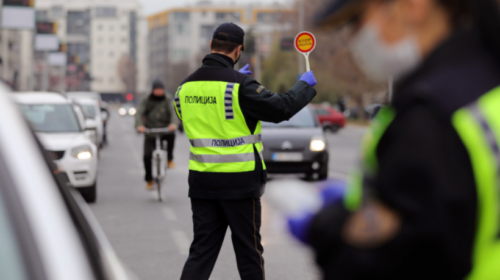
(132, 111)
(122, 111)
(318, 144)
(82, 152)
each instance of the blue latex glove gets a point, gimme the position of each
(245, 70)
(332, 192)
(299, 227)
(309, 78)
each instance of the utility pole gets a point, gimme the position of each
(302, 15)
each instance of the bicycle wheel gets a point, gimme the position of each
(158, 183)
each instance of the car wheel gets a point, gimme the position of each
(334, 128)
(323, 175)
(89, 193)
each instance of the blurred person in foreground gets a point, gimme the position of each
(425, 204)
(222, 110)
(156, 111)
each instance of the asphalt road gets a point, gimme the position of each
(152, 238)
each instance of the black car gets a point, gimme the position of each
(297, 146)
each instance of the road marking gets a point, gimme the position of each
(169, 214)
(182, 241)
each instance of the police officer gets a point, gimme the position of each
(425, 204)
(222, 110)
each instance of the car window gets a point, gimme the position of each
(90, 110)
(304, 118)
(51, 117)
(11, 262)
(322, 112)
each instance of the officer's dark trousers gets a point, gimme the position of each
(211, 219)
(150, 146)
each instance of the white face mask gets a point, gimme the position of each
(381, 61)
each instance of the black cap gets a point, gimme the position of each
(236, 34)
(158, 84)
(339, 12)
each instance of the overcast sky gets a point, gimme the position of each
(154, 6)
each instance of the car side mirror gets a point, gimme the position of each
(90, 124)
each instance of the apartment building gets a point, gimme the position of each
(180, 37)
(102, 41)
(16, 55)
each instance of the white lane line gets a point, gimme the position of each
(182, 241)
(169, 214)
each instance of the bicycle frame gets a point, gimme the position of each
(159, 158)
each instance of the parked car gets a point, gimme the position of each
(127, 109)
(297, 146)
(331, 119)
(60, 126)
(85, 94)
(93, 112)
(46, 229)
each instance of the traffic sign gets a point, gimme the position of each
(305, 42)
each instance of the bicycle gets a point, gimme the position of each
(159, 159)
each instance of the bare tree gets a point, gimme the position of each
(128, 73)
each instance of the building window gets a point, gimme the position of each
(103, 12)
(236, 16)
(111, 27)
(99, 27)
(207, 32)
(42, 15)
(124, 40)
(111, 40)
(182, 28)
(268, 17)
(57, 12)
(111, 54)
(78, 23)
(181, 54)
(124, 27)
(181, 15)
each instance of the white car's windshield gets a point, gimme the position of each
(51, 117)
(304, 118)
(90, 110)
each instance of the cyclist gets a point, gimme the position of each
(425, 204)
(156, 111)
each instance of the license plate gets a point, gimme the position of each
(288, 157)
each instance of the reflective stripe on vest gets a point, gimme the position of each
(245, 140)
(222, 158)
(178, 103)
(228, 101)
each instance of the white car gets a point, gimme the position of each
(60, 126)
(93, 112)
(85, 94)
(46, 229)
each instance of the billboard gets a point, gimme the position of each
(44, 27)
(46, 42)
(19, 3)
(57, 59)
(18, 17)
